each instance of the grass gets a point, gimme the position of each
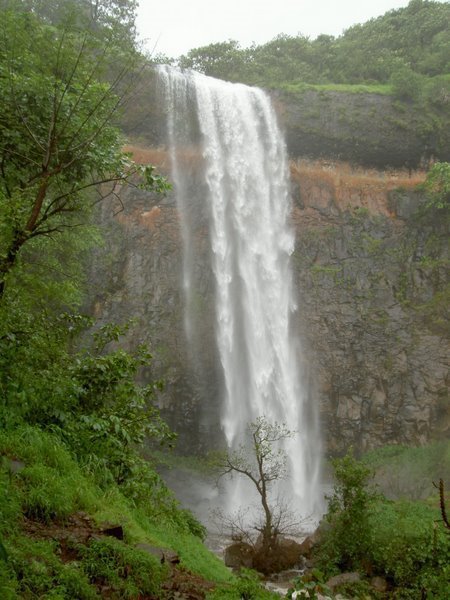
(159, 157)
(404, 472)
(349, 186)
(41, 481)
(352, 187)
(348, 88)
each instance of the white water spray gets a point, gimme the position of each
(245, 188)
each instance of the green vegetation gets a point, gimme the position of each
(246, 587)
(437, 188)
(400, 59)
(405, 473)
(348, 542)
(348, 88)
(47, 497)
(399, 48)
(403, 541)
(73, 420)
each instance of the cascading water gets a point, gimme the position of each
(244, 189)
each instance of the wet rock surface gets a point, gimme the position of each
(370, 277)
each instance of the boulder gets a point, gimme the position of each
(290, 553)
(284, 555)
(308, 544)
(379, 584)
(115, 531)
(342, 578)
(239, 554)
(164, 555)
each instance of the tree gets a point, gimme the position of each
(60, 154)
(57, 141)
(224, 60)
(348, 540)
(406, 84)
(85, 14)
(263, 462)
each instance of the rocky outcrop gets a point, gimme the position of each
(137, 275)
(370, 267)
(363, 128)
(371, 283)
(367, 129)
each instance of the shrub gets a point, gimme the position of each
(406, 84)
(310, 585)
(402, 540)
(347, 543)
(409, 546)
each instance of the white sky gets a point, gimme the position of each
(175, 26)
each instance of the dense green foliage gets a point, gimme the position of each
(349, 540)
(58, 143)
(399, 48)
(437, 187)
(73, 419)
(403, 541)
(402, 55)
(48, 488)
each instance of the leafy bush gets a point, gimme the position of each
(406, 84)
(348, 541)
(402, 541)
(110, 415)
(310, 585)
(409, 546)
(437, 186)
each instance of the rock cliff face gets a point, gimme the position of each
(372, 130)
(137, 275)
(370, 268)
(371, 277)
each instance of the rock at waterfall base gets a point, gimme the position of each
(239, 554)
(342, 578)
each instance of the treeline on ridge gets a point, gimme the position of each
(401, 46)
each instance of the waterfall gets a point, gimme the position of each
(243, 195)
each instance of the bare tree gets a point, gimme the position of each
(263, 462)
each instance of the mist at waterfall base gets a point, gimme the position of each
(231, 181)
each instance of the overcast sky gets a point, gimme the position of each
(176, 26)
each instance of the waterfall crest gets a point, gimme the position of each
(244, 192)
